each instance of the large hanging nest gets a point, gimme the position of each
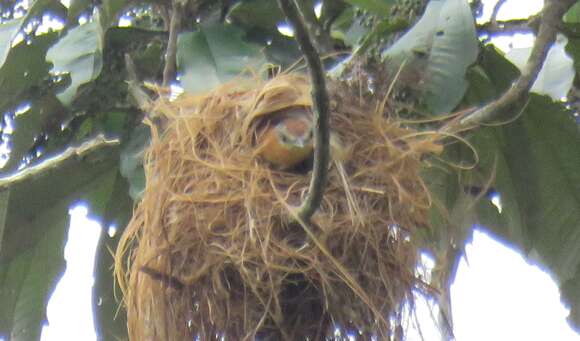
(214, 249)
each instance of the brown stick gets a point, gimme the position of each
(171, 52)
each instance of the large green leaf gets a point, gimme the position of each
(31, 249)
(78, 54)
(542, 149)
(213, 55)
(440, 47)
(27, 280)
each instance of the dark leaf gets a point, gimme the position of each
(263, 14)
(111, 323)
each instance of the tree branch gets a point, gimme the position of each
(551, 16)
(321, 116)
(171, 52)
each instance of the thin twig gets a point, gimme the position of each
(321, 116)
(551, 16)
(171, 52)
(142, 99)
(509, 27)
(495, 11)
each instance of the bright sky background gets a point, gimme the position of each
(497, 295)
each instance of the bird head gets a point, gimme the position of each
(288, 141)
(295, 132)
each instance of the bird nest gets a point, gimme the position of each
(214, 248)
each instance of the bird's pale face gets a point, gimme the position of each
(295, 133)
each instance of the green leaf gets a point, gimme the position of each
(440, 47)
(79, 54)
(573, 14)
(491, 145)
(263, 14)
(131, 166)
(31, 253)
(379, 7)
(543, 152)
(214, 55)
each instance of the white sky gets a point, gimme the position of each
(512, 9)
(70, 308)
(497, 295)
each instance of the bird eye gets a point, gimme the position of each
(284, 138)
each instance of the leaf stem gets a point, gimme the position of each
(320, 106)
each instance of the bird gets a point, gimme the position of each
(286, 140)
